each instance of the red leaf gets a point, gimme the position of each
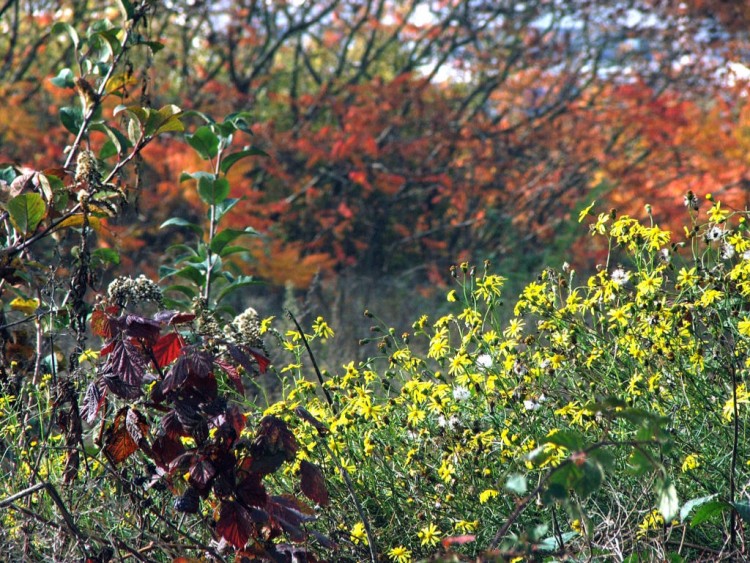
(312, 483)
(136, 425)
(233, 374)
(108, 348)
(118, 444)
(235, 523)
(168, 348)
(103, 324)
(263, 361)
(457, 540)
(201, 474)
(251, 491)
(126, 362)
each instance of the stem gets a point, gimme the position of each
(312, 358)
(350, 487)
(211, 235)
(733, 466)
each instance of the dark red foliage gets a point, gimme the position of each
(312, 483)
(167, 349)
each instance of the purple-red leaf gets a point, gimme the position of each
(201, 474)
(233, 374)
(235, 523)
(136, 425)
(126, 363)
(142, 328)
(312, 483)
(251, 491)
(92, 402)
(173, 317)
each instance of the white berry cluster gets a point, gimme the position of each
(126, 290)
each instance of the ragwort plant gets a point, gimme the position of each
(603, 419)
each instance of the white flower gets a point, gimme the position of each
(746, 255)
(461, 393)
(727, 251)
(664, 256)
(449, 423)
(484, 361)
(714, 233)
(620, 277)
(530, 405)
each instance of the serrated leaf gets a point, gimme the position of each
(234, 524)
(93, 400)
(26, 211)
(71, 118)
(126, 363)
(118, 444)
(168, 348)
(312, 483)
(708, 510)
(232, 159)
(516, 484)
(204, 141)
(136, 425)
(667, 503)
(212, 191)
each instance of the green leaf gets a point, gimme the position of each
(552, 543)
(166, 119)
(191, 273)
(232, 159)
(204, 141)
(239, 283)
(126, 7)
(743, 509)
(180, 222)
(232, 249)
(569, 439)
(64, 79)
(228, 235)
(119, 141)
(60, 28)
(106, 255)
(516, 484)
(8, 174)
(590, 480)
(155, 46)
(223, 207)
(639, 463)
(71, 118)
(694, 503)
(26, 211)
(554, 492)
(709, 510)
(668, 503)
(185, 290)
(213, 191)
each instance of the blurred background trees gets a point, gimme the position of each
(406, 136)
